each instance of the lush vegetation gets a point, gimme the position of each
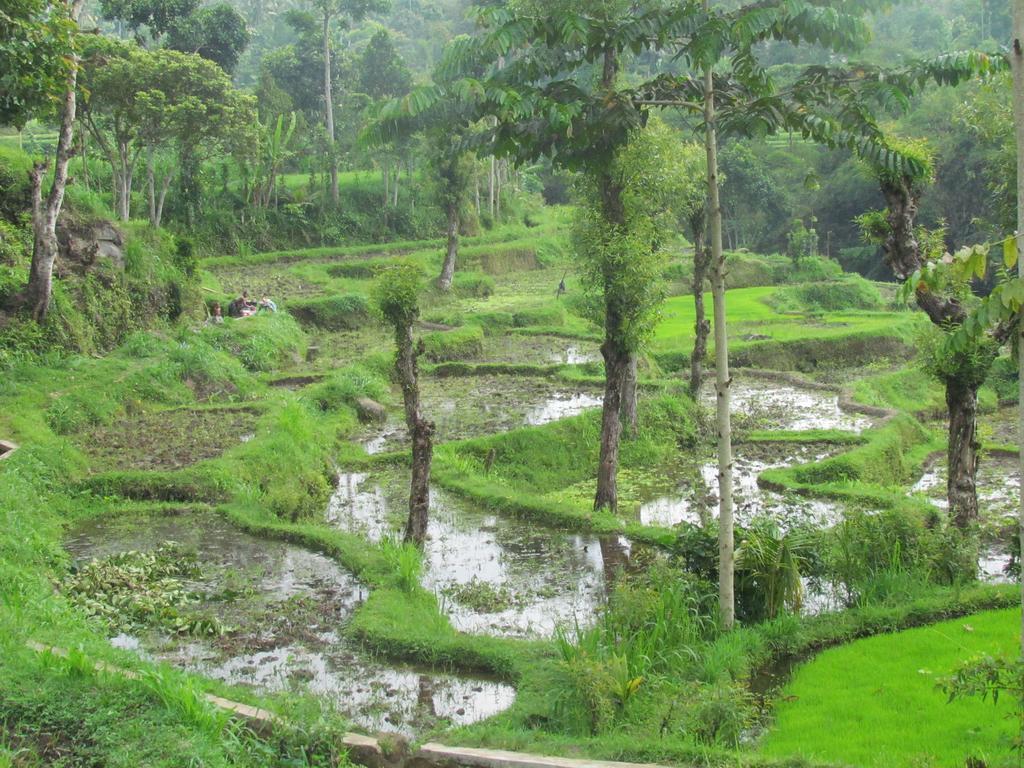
(220, 222)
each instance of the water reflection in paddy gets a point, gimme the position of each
(492, 573)
(471, 406)
(694, 497)
(287, 611)
(773, 405)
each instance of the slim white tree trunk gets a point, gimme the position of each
(39, 290)
(1017, 60)
(726, 588)
(329, 108)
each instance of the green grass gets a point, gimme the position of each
(875, 703)
(762, 336)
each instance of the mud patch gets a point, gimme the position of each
(286, 609)
(167, 440)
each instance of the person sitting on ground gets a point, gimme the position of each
(215, 318)
(237, 307)
(243, 305)
(267, 304)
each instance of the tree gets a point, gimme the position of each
(328, 10)
(446, 116)
(157, 16)
(1017, 64)
(39, 66)
(138, 101)
(35, 39)
(396, 295)
(218, 33)
(962, 371)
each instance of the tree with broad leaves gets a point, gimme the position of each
(39, 65)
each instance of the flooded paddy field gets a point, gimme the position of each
(540, 350)
(492, 573)
(474, 406)
(687, 491)
(284, 610)
(766, 404)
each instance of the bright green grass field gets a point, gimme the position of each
(874, 702)
(749, 314)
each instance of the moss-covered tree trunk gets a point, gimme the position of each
(627, 412)
(961, 489)
(701, 325)
(903, 253)
(421, 431)
(45, 213)
(616, 362)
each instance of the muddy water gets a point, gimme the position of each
(287, 609)
(492, 574)
(472, 406)
(694, 495)
(998, 488)
(539, 350)
(772, 405)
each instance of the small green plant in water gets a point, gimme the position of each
(405, 561)
(132, 590)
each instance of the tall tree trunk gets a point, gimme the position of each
(962, 402)
(444, 282)
(39, 289)
(1017, 62)
(329, 108)
(903, 254)
(422, 433)
(492, 181)
(701, 326)
(398, 175)
(151, 187)
(627, 410)
(165, 185)
(723, 381)
(616, 361)
(616, 356)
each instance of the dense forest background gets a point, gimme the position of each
(254, 172)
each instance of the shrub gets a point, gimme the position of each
(463, 343)
(346, 386)
(333, 313)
